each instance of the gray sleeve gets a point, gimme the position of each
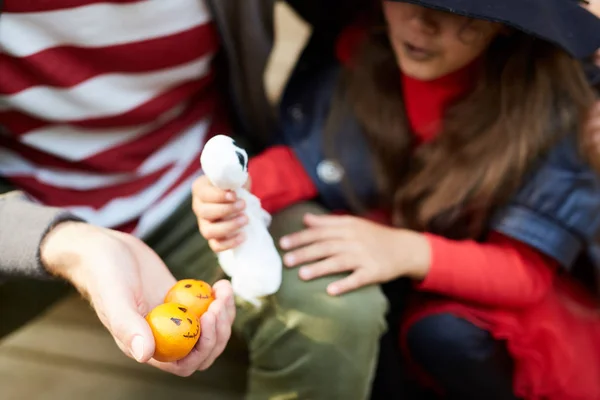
(23, 226)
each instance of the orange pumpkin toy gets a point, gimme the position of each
(175, 331)
(196, 295)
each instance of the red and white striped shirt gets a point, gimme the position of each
(106, 104)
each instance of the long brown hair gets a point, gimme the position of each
(528, 95)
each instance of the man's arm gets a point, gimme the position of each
(120, 275)
(23, 227)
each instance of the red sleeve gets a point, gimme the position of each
(500, 272)
(278, 179)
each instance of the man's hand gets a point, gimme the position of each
(124, 279)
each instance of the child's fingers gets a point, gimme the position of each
(221, 245)
(217, 211)
(206, 192)
(592, 126)
(223, 229)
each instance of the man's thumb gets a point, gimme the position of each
(134, 334)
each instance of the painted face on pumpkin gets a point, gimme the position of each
(175, 331)
(199, 289)
(194, 294)
(185, 320)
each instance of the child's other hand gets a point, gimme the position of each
(592, 127)
(372, 252)
(220, 215)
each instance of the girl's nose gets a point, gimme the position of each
(426, 20)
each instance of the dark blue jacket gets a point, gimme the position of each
(556, 211)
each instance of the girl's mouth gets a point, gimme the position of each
(418, 53)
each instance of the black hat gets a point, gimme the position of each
(565, 23)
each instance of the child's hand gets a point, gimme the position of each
(374, 253)
(592, 127)
(220, 215)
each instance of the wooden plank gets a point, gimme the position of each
(74, 310)
(91, 345)
(33, 379)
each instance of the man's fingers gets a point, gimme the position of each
(222, 332)
(223, 291)
(216, 332)
(205, 345)
(216, 328)
(131, 332)
(189, 364)
(120, 311)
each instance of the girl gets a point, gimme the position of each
(457, 122)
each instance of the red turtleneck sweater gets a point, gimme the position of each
(499, 272)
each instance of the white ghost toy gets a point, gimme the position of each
(254, 266)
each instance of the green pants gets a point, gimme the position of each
(303, 344)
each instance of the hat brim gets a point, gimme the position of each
(565, 23)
